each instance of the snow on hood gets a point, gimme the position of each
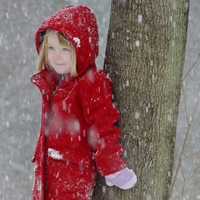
(79, 25)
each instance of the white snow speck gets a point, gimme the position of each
(7, 124)
(169, 174)
(140, 18)
(137, 115)
(104, 189)
(7, 16)
(137, 43)
(78, 42)
(145, 134)
(54, 154)
(127, 83)
(7, 178)
(151, 62)
(169, 118)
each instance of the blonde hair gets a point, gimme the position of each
(43, 61)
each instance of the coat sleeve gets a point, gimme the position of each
(101, 115)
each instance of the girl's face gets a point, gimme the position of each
(59, 56)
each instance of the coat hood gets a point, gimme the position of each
(79, 25)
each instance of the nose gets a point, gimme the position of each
(57, 55)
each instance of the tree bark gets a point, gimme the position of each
(144, 59)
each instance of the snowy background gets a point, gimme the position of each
(20, 100)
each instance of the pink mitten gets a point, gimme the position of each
(124, 179)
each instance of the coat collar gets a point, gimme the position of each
(49, 80)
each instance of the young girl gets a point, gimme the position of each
(77, 136)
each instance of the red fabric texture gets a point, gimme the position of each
(78, 117)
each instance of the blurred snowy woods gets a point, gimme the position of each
(20, 101)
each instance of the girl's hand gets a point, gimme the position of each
(124, 179)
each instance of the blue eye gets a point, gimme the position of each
(50, 48)
(65, 49)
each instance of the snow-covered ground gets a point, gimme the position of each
(20, 100)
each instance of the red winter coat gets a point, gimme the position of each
(77, 118)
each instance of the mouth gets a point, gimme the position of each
(59, 64)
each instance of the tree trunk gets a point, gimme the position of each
(144, 59)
